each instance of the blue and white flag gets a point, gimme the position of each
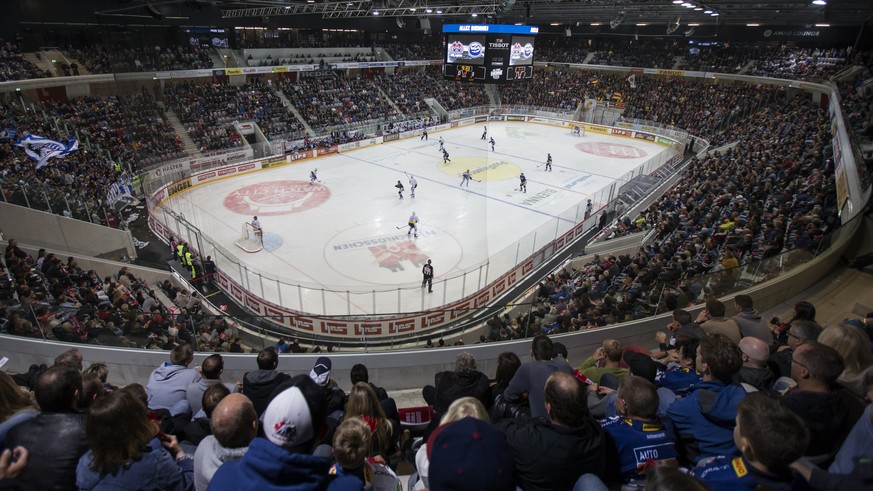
(8, 133)
(41, 149)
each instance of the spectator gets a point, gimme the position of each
(713, 321)
(854, 348)
(464, 381)
(749, 321)
(803, 310)
(201, 425)
(15, 406)
(359, 373)
(755, 371)
(260, 384)
(234, 425)
(829, 414)
(52, 466)
(531, 377)
(211, 369)
(769, 437)
(704, 418)
(609, 354)
(553, 454)
(667, 478)
(800, 332)
(72, 357)
(334, 395)
(637, 439)
(125, 451)
(461, 408)
(471, 454)
(363, 404)
(169, 382)
(352, 447)
(292, 423)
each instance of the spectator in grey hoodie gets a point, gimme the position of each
(168, 384)
(234, 425)
(750, 322)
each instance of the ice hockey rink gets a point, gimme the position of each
(340, 246)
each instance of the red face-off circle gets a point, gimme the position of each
(613, 150)
(276, 198)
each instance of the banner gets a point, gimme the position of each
(41, 149)
(8, 134)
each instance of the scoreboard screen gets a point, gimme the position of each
(488, 53)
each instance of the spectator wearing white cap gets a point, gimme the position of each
(336, 397)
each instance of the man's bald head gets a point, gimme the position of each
(234, 421)
(755, 350)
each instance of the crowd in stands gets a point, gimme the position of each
(308, 59)
(415, 51)
(208, 111)
(561, 88)
(104, 59)
(560, 50)
(328, 102)
(13, 65)
(722, 403)
(720, 59)
(801, 64)
(646, 54)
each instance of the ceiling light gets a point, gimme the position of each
(555, 24)
(822, 25)
(714, 14)
(819, 2)
(686, 4)
(375, 12)
(693, 25)
(698, 8)
(439, 11)
(642, 24)
(689, 6)
(753, 25)
(707, 11)
(678, 1)
(412, 9)
(428, 10)
(596, 23)
(287, 7)
(474, 14)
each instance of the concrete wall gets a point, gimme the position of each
(41, 229)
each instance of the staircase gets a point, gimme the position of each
(188, 144)
(296, 113)
(390, 101)
(493, 94)
(215, 57)
(42, 63)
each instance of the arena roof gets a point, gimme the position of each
(570, 12)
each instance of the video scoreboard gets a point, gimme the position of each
(488, 53)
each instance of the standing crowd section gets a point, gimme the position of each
(721, 403)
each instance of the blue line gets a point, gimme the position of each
(461, 189)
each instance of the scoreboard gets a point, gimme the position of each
(488, 53)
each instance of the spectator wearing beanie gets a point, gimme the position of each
(293, 423)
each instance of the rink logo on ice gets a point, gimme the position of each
(611, 150)
(393, 257)
(277, 198)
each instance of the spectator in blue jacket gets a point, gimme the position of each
(294, 421)
(168, 384)
(704, 418)
(770, 437)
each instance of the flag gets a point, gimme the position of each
(633, 81)
(8, 134)
(41, 149)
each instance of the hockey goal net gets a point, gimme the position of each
(577, 130)
(251, 239)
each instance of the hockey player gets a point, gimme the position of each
(466, 178)
(484, 132)
(522, 185)
(313, 176)
(549, 163)
(399, 187)
(576, 130)
(412, 185)
(442, 142)
(491, 141)
(256, 224)
(423, 135)
(446, 156)
(413, 228)
(427, 276)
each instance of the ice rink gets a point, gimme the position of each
(340, 246)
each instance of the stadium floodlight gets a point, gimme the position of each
(819, 2)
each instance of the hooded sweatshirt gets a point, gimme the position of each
(752, 325)
(168, 385)
(705, 418)
(269, 467)
(259, 385)
(209, 457)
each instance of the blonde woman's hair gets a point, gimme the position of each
(363, 401)
(852, 345)
(464, 407)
